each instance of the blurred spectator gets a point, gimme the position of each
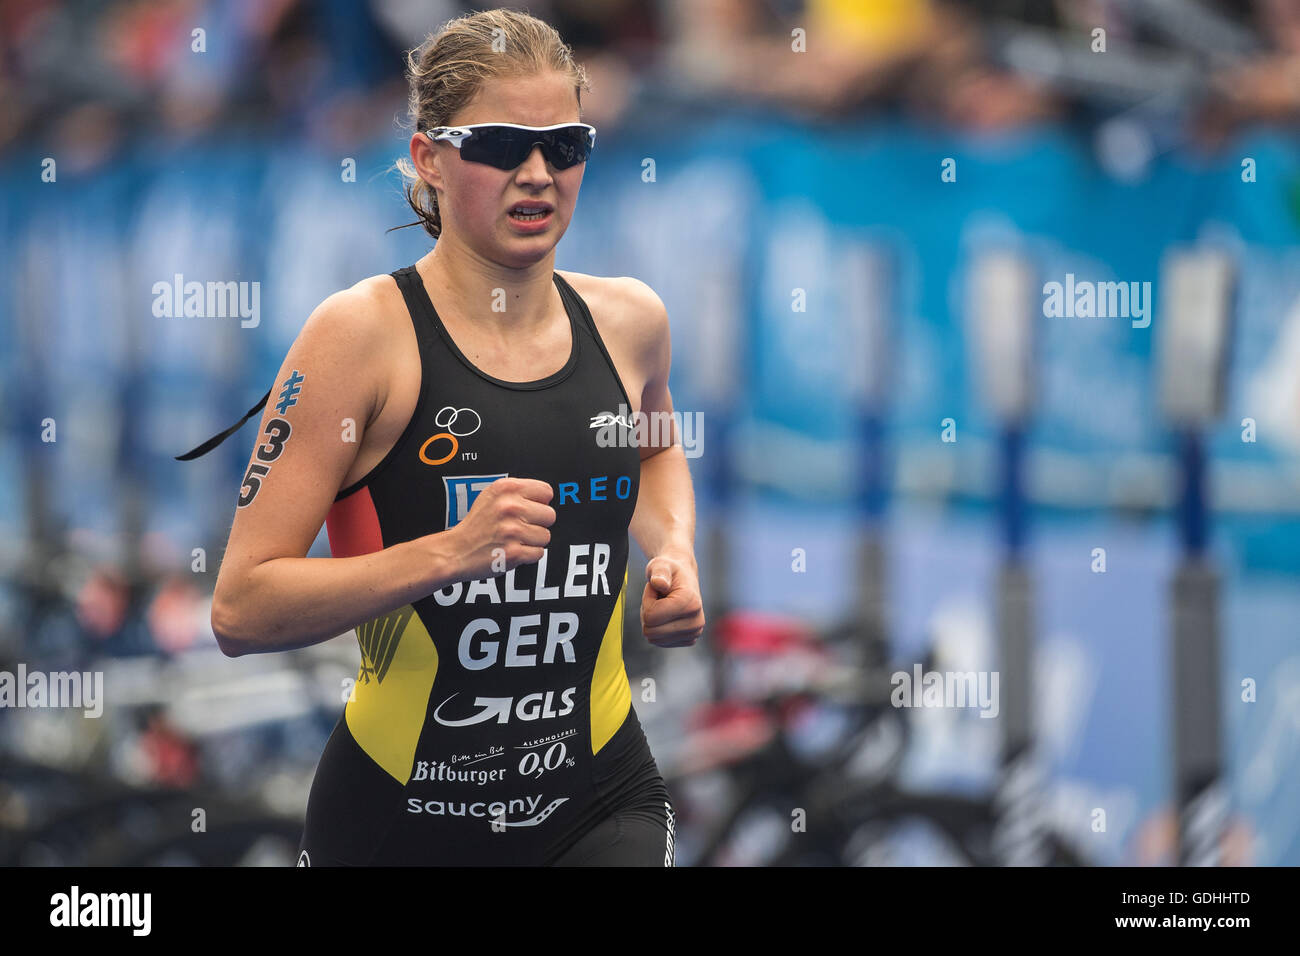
(1264, 89)
(161, 755)
(850, 55)
(84, 73)
(177, 615)
(616, 42)
(102, 603)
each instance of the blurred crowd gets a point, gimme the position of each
(86, 75)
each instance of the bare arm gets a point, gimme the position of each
(663, 523)
(269, 596)
(664, 520)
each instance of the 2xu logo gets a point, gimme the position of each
(540, 706)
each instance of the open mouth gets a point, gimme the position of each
(530, 212)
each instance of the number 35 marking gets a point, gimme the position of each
(277, 433)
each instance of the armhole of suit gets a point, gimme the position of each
(420, 323)
(568, 290)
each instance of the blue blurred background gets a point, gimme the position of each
(127, 156)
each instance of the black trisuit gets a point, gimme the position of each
(491, 722)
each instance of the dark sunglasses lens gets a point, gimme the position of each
(494, 146)
(505, 148)
(568, 147)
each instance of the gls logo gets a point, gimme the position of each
(461, 492)
(531, 707)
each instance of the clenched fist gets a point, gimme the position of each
(508, 525)
(672, 611)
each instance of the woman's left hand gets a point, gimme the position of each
(672, 611)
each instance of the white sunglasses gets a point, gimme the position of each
(506, 145)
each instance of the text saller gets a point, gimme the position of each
(946, 689)
(1102, 300)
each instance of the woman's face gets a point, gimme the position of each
(475, 199)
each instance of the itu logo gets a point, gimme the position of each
(459, 423)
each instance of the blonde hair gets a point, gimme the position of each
(446, 71)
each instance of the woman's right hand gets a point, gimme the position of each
(507, 525)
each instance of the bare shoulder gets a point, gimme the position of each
(628, 313)
(361, 342)
(356, 320)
